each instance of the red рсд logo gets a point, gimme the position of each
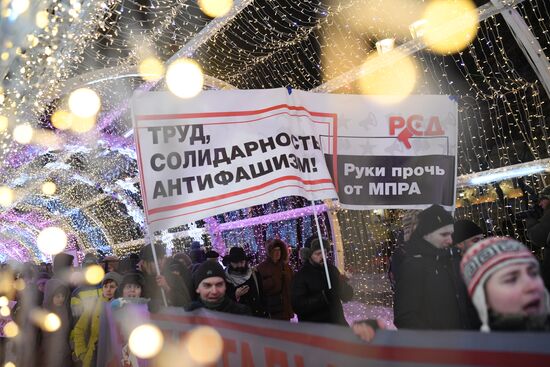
(414, 126)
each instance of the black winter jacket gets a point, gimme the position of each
(313, 301)
(430, 292)
(253, 298)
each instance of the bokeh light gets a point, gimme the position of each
(46, 321)
(389, 78)
(62, 119)
(451, 25)
(5, 311)
(52, 322)
(82, 125)
(151, 69)
(184, 78)
(94, 274)
(20, 6)
(215, 8)
(84, 102)
(23, 133)
(9, 364)
(41, 19)
(51, 240)
(6, 196)
(19, 284)
(146, 341)
(204, 345)
(11, 329)
(4, 301)
(4, 121)
(49, 188)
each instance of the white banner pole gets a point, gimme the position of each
(322, 244)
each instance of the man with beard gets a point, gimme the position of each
(243, 284)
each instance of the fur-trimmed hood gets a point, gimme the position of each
(272, 244)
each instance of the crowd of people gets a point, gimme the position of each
(446, 276)
(190, 280)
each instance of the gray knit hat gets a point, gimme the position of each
(116, 277)
(311, 245)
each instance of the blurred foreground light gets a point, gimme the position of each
(6, 196)
(51, 240)
(5, 311)
(184, 78)
(41, 19)
(48, 188)
(11, 329)
(451, 25)
(94, 274)
(19, 284)
(46, 321)
(19, 6)
(204, 345)
(4, 301)
(84, 102)
(215, 8)
(4, 121)
(23, 133)
(82, 125)
(151, 69)
(9, 364)
(52, 322)
(388, 78)
(62, 119)
(146, 341)
(385, 45)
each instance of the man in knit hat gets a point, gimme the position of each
(503, 281)
(465, 234)
(210, 285)
(429, 292)
(538, 231)
(312, 300)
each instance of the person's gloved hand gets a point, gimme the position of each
(366, 329)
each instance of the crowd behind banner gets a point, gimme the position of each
(446, 276)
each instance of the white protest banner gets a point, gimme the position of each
(227, 150)
(390, 155)
(252, 341)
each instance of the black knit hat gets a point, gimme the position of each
(464, 229)
(432, 219)
(207, 269)
(146, 252)
(211, 254)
